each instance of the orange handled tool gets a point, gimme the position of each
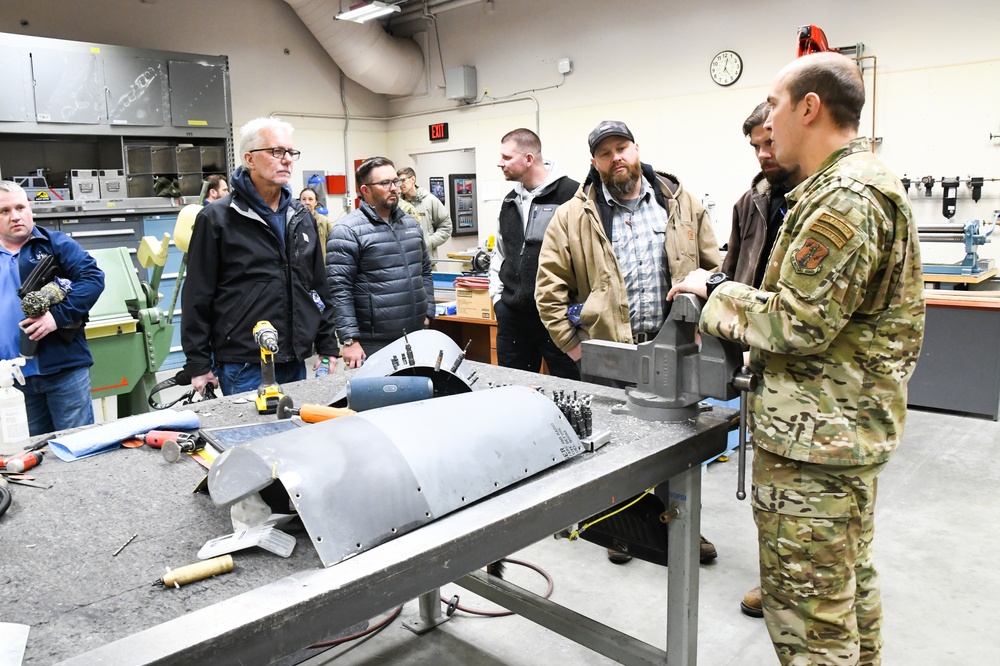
(22, 462)
(310, 413)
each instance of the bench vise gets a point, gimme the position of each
(671, 373)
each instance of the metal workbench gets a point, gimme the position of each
(85, 605)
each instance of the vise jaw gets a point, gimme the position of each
(671, 373)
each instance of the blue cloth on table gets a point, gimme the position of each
(109, 436)
(733, 440)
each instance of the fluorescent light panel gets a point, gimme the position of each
(367, 11)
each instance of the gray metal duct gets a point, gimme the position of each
(363, 51)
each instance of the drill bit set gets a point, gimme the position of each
(578, 411)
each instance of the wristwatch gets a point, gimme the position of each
(347, 342)
(714, 280)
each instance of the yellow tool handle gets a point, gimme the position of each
(198, 571)
(317, 413)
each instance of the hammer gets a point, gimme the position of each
(310, 413)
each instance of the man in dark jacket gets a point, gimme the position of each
(539, 188)
(57, 378)
(378, 267)
(255, 255)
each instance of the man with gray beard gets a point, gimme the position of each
(612, 252)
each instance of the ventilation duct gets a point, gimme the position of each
(363, 51)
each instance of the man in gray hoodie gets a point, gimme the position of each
(539, 188)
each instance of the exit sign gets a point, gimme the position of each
(438, 131)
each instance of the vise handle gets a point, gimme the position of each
(743, 381)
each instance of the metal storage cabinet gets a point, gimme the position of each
(959, 365)
(78, 105)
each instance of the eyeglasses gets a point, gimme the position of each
(386, 184)
(278, 153)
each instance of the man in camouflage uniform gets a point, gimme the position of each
(835, 331)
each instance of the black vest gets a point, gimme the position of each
(520, 249)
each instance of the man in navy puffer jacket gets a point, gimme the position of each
(378, 268)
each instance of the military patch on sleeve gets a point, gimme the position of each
(810, 255)
(833, 229)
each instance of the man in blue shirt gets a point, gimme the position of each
(57, 378)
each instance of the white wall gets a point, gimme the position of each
(641, 61)
(443, 163)
(646, 62)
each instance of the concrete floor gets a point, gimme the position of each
(936, 536)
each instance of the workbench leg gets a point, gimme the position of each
(683, 543)
(430, 614)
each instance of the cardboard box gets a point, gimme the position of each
(474, 303)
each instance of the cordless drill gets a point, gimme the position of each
(268, 393)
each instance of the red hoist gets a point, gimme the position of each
(813, 40)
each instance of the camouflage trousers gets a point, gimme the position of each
(815, 523)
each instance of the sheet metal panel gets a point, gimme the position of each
(362, 480)
(198, 94)
(137, 90)
(16, 103)
(69, 87)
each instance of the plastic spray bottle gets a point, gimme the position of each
(13, 415)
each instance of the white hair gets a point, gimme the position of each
(250, 134)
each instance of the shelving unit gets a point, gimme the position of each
(81, 106)
(99, 110)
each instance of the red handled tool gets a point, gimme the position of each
(22, 462)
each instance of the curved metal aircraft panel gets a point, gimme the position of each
(364, 479)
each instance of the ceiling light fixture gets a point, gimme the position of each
(366, 11)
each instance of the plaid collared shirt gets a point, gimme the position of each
(638, 240)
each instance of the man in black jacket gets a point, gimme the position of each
(255, 255)
(378, 267)
(539, 188)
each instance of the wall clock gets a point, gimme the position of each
(726, 68)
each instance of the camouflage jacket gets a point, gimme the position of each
(836, 327)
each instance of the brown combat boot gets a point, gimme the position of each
(706, 551)
(618, 557)
(751, 604)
